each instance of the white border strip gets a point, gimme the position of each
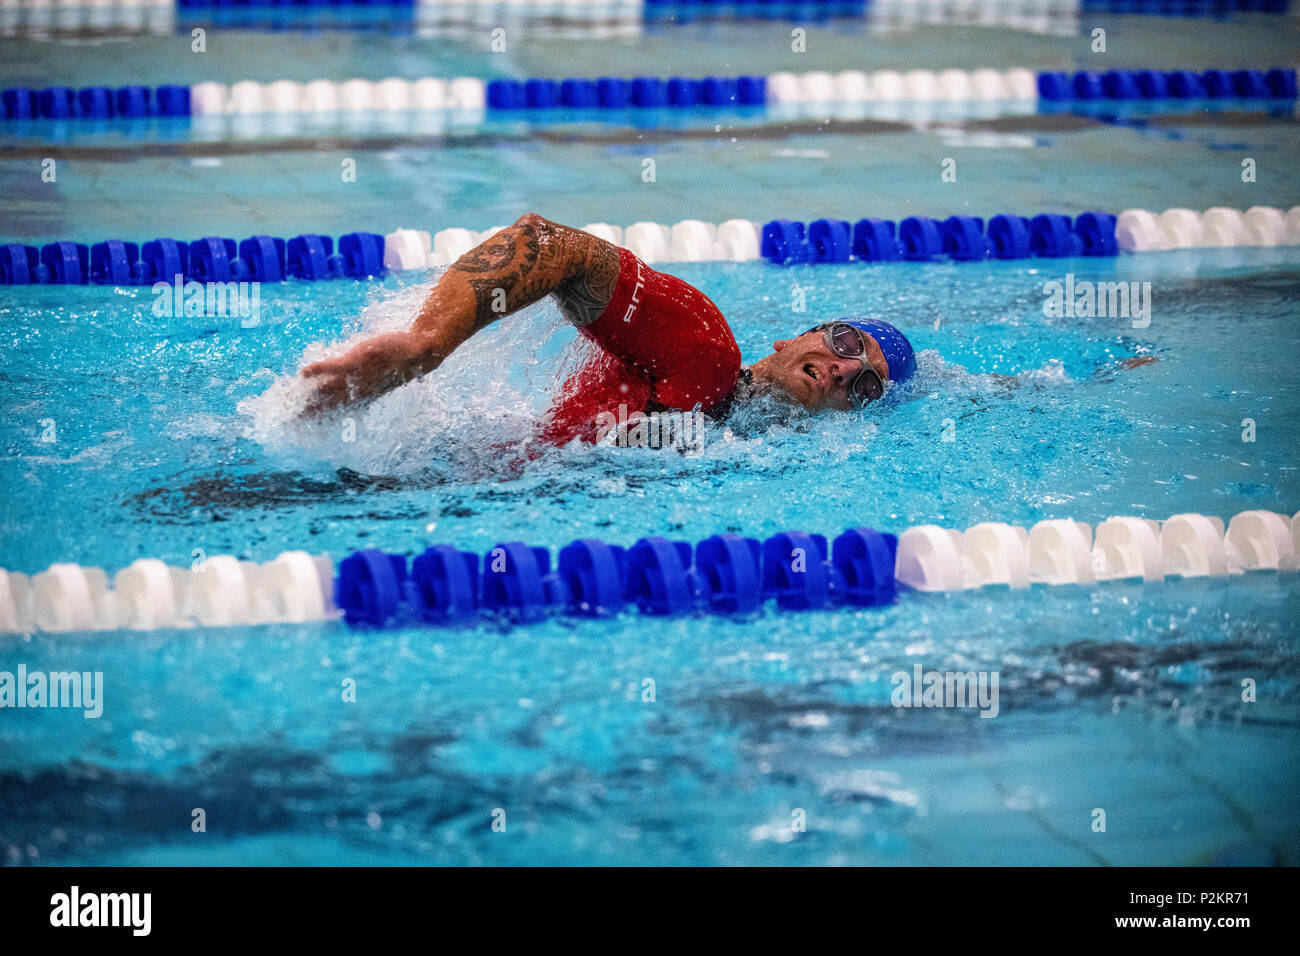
(736, 240)
(1139, 230)
(1062, 551)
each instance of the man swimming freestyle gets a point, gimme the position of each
(662, 344)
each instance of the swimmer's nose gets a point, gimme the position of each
(845, 369)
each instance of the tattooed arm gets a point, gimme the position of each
(514, 268)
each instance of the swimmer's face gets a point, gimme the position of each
(806, 371)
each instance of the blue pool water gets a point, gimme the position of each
(172, 439)
(173, 434)
(176, 438)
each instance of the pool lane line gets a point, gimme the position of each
(723, 574)
(539, 99)
(1041, 123)
(364, 255)
(479, 138)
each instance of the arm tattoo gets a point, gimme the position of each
(584, 297)
(499, 263)
(534, 258)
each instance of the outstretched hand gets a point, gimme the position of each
(332, 381)
(369, 370)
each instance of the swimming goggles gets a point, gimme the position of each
(847, 342)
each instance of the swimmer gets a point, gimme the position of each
(662, 345)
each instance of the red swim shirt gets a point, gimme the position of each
(663, 345)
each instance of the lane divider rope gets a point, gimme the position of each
(1276, 83)
(982, 12)
(43, 17)
(917, 238)
(572, 19)
(1139, 230)
(360, 255)
(545, 98)
(723, 574)
(39, 17)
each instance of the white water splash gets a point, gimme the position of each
(481, 405)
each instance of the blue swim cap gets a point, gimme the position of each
(898, 351)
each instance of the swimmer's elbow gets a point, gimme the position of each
(542, 232)
(535, 227)
(531, 221)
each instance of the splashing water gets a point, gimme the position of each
(479, 406)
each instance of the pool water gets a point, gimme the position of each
(1122, 698)
(664, 741)
(176, 442)
(170, 435)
